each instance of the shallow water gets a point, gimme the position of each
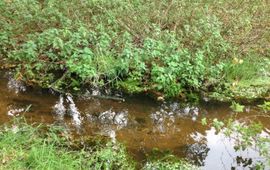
(140, 123)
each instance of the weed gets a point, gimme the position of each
(265, 106)
(173, 48)
(236, 107)
(30, 147)
(166, 161)
(25, 146)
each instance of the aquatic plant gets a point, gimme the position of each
(165, 160)
(169, 165)
(236, 107)
(265, 106)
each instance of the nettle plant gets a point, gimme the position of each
(69, 58)
(178, 70)
(162, 64)
(165, 62)
(81, 55)
(170, 47)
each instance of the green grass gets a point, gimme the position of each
(25, 146)
(249, 79)
(29, 147)
(25, 149)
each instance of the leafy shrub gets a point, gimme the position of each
(171, 47)
(69, 51)
(265, 106)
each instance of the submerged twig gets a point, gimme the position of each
(28, 108)
(108, 97)
(92, 96)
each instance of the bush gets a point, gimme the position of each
(171, 47)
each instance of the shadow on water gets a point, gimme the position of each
(140, 123)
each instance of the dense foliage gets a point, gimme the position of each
(171, 48)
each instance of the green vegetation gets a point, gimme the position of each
(165, 160)
(245, 135)
(265, 106)
(25, 146)
(169, 165)
(171, 48)
(28, 147)
(236, 107)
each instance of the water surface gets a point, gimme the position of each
(140, 123)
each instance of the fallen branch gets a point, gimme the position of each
(107, 97)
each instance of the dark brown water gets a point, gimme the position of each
(139, 122)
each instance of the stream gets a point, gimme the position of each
(139, 122)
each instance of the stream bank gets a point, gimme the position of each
(140, 123)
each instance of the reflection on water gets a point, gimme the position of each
(222, 153)
(15, 85)
(197, 153)
(15, 112)
(60, 109)
(140, 123)
(74, 112)
(164, 118)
